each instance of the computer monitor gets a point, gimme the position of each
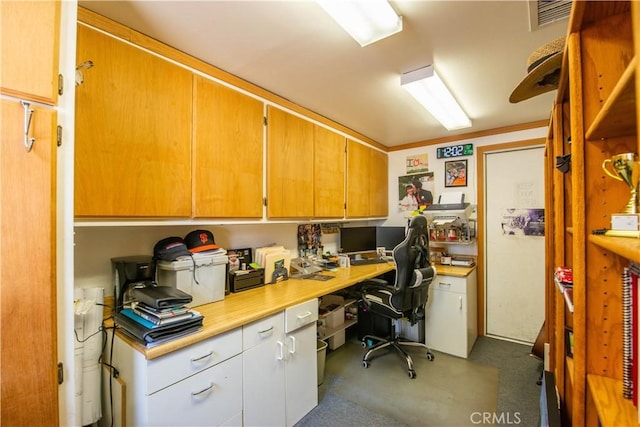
(357, 239)
(389, 237)
(369, 238)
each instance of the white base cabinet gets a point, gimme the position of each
(280, 382)
(451, 324)
(200, 385)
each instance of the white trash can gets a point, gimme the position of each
(322, 355)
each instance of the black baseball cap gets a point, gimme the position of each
(200, 241)
(170, 248)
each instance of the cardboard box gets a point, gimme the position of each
(210, 273)
(332, 311)
(336, 340)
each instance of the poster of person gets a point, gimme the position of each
(415, 191)
(523, 222)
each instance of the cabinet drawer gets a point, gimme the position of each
(263, 330)
(209, 398)
(300, 315)
(169, 369)
(451, 284)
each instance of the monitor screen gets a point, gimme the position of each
(357, 239)
(389, 237)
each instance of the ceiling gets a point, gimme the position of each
(295, 50)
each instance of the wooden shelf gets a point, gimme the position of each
(613, 410)
(627, 247)
(617, 117)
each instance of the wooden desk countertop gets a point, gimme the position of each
(238, 309)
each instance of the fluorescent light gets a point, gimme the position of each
(427, 88)
(367, 21)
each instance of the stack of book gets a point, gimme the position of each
(159, 314)
(563, 277)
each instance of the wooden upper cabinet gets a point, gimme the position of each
(329, 173)
(367, 183)
(379, 186)
(228, 129)
(133, 132)
(30, 44)
(290, 160)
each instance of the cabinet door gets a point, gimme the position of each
(208, 398)
(358, 179)
(227, 152)
(379, 187)
(329, 167)
(301, 373)
(446, 316)
(290, 159)
(263, 384)
(27, 274)
(30, 44)
(133, 132)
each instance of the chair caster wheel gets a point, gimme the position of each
(363, 344)
(412, 374)
(365, 364)
(430, 356)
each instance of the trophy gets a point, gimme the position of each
(627, 170)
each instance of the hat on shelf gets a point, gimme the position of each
(200, 241)
(543, 71)
(170, 249)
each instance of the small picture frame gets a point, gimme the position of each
(455, 173)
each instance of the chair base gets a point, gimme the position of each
(394, 343)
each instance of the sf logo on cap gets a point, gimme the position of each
(204, 238)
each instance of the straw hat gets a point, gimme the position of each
(543, 71)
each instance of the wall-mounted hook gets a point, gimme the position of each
(28, 115)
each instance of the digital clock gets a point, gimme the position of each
(458, 150)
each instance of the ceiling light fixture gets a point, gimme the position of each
(367, 21)
(429, 90)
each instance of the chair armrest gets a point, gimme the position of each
(365, 285)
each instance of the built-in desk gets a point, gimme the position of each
(239, 309)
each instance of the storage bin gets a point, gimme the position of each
(210, 273)
(336, 340)
(332, 311)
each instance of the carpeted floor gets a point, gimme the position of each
(497, 381)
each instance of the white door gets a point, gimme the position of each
(514, 247)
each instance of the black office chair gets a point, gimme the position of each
(407, 297)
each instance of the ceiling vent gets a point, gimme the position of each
(544, 12)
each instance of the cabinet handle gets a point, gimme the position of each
(197, 359)
(293, 345)
(460, 303)
(281, 347)
(28, 115)
(266, 330)
(443, 284)
(204, 390)
(302, 316)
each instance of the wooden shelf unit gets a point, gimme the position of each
(594, 118)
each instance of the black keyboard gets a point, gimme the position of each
(366, 261)
(447, 207)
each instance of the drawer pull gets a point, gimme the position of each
(198, 359)
(266, 330)
(292, 350)
(281, 348)
(443, 285)
(204, 390)
(460, 303)
(302, 316)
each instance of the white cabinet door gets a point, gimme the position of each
(263, 377)
(209, 398)
(301, 373)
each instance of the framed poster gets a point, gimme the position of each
(415, 191)
(455, 173)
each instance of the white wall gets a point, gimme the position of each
(397, 167)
